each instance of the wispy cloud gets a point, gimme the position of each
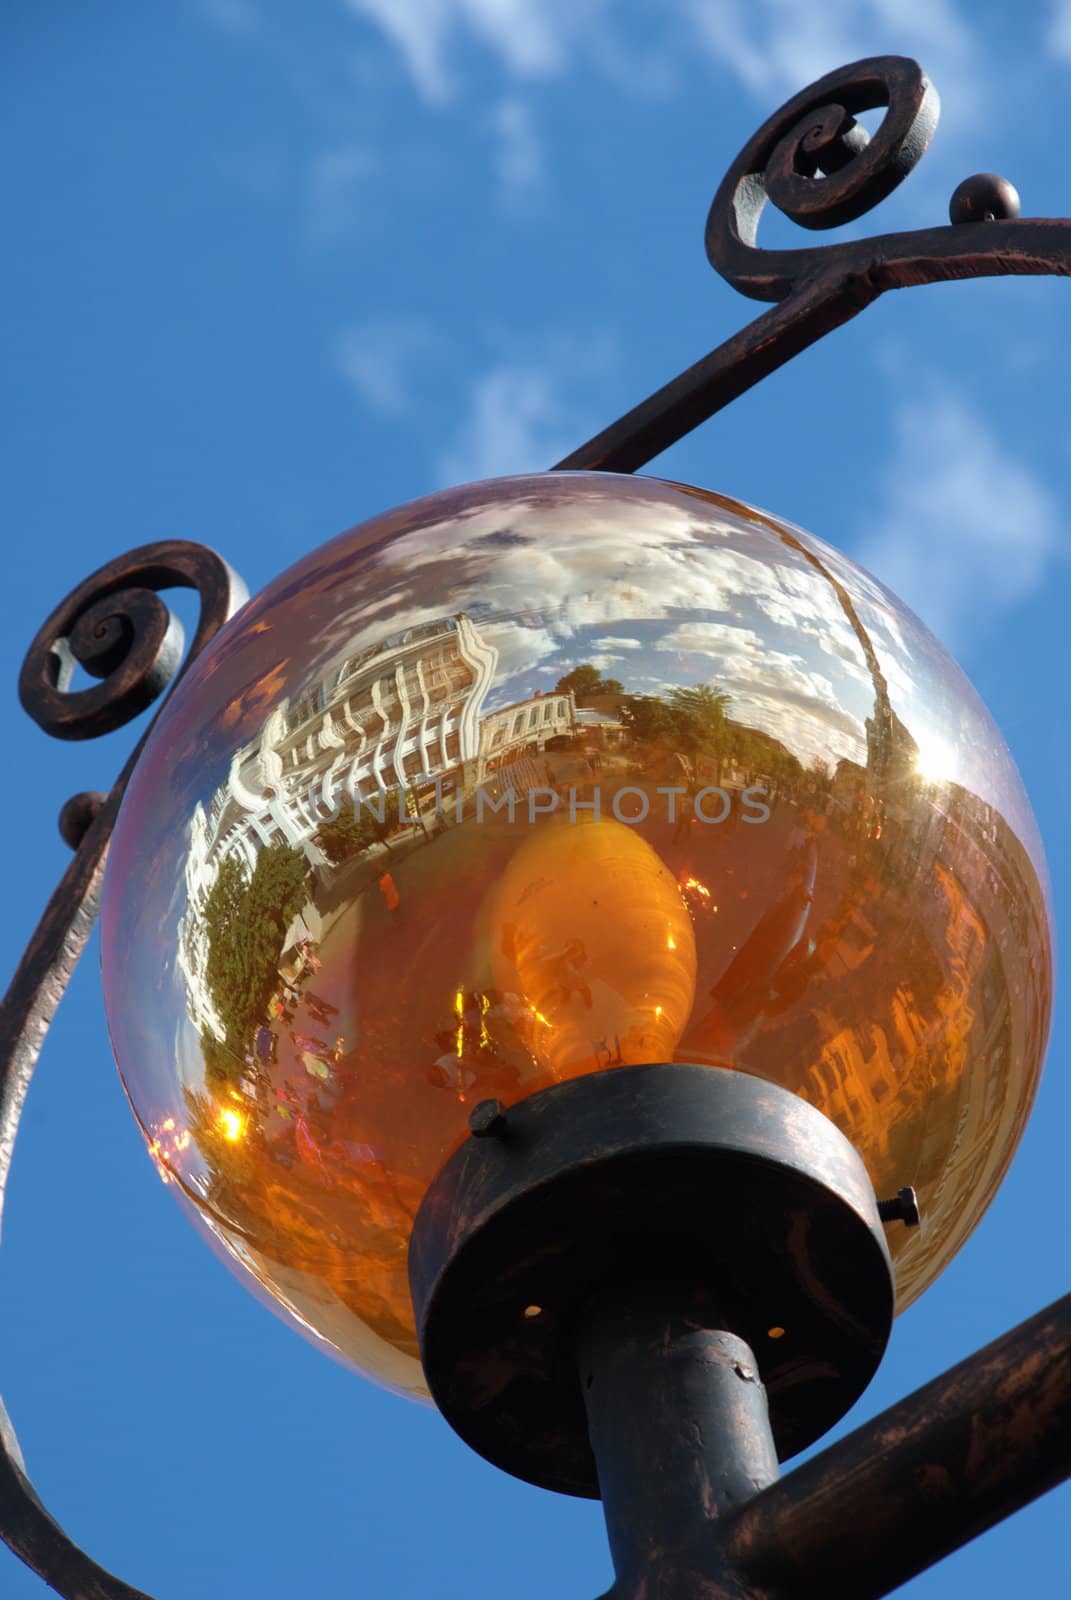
(612, 642)
(517, 421)
(383, 359)
(779, 46)
(488, 418)
(1058, 34)
(336, 181)
(519, 152)
(531, 38)
(520, 413)
(771, 46)
(968, 528)
(231, 16)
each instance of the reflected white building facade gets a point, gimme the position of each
(506, 732)
(404, 713)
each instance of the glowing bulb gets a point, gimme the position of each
(577, 930)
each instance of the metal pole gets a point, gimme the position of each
(680, 1429)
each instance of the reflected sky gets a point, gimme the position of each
(543, 776)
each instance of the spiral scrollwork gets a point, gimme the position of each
(819, 166)
(118, 629)
(816, 162)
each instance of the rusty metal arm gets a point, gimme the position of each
(116, 627)
(821, 169)
(920, 1480)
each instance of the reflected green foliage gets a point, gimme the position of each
(246, 919)
(346, 835)
(759, 754)
(222, 1066)
(695, 723)
(358, 829)
(587, 684)
(699, 715)
(689, 721)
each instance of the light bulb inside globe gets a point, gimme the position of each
(544, 777)
(590, 927)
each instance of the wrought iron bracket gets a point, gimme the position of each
(115, 626)
(983, 1439)
(818, 166)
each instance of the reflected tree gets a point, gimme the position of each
(346, 835)
(246, 920)
(586, 683)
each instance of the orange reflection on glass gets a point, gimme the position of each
(536, 778)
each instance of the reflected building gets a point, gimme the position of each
(528, 724)
(394, 718)
(407, 708)
(603, 729)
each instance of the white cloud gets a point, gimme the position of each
(769, 688)
(505, 416)
(612, 643)
(1058, 35)
(968, 528)
(519, 153)
(780, 46)
(531, 38)
(772, 47)
(382, 359)
(516, 422)
(722, 638)
(420, 29)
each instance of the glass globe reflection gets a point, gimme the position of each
(539, 777)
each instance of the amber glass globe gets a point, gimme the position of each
(548, 776)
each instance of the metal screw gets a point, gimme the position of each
(904, 1208)
(487, 1120)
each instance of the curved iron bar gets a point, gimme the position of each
(116, 626)
(819, 166)
(816, 163)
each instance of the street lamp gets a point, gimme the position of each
(583, 1048)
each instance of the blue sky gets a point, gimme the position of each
(272, 269)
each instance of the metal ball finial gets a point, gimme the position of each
(984, 197)
(78, 815)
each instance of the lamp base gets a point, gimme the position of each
(735, 1201)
